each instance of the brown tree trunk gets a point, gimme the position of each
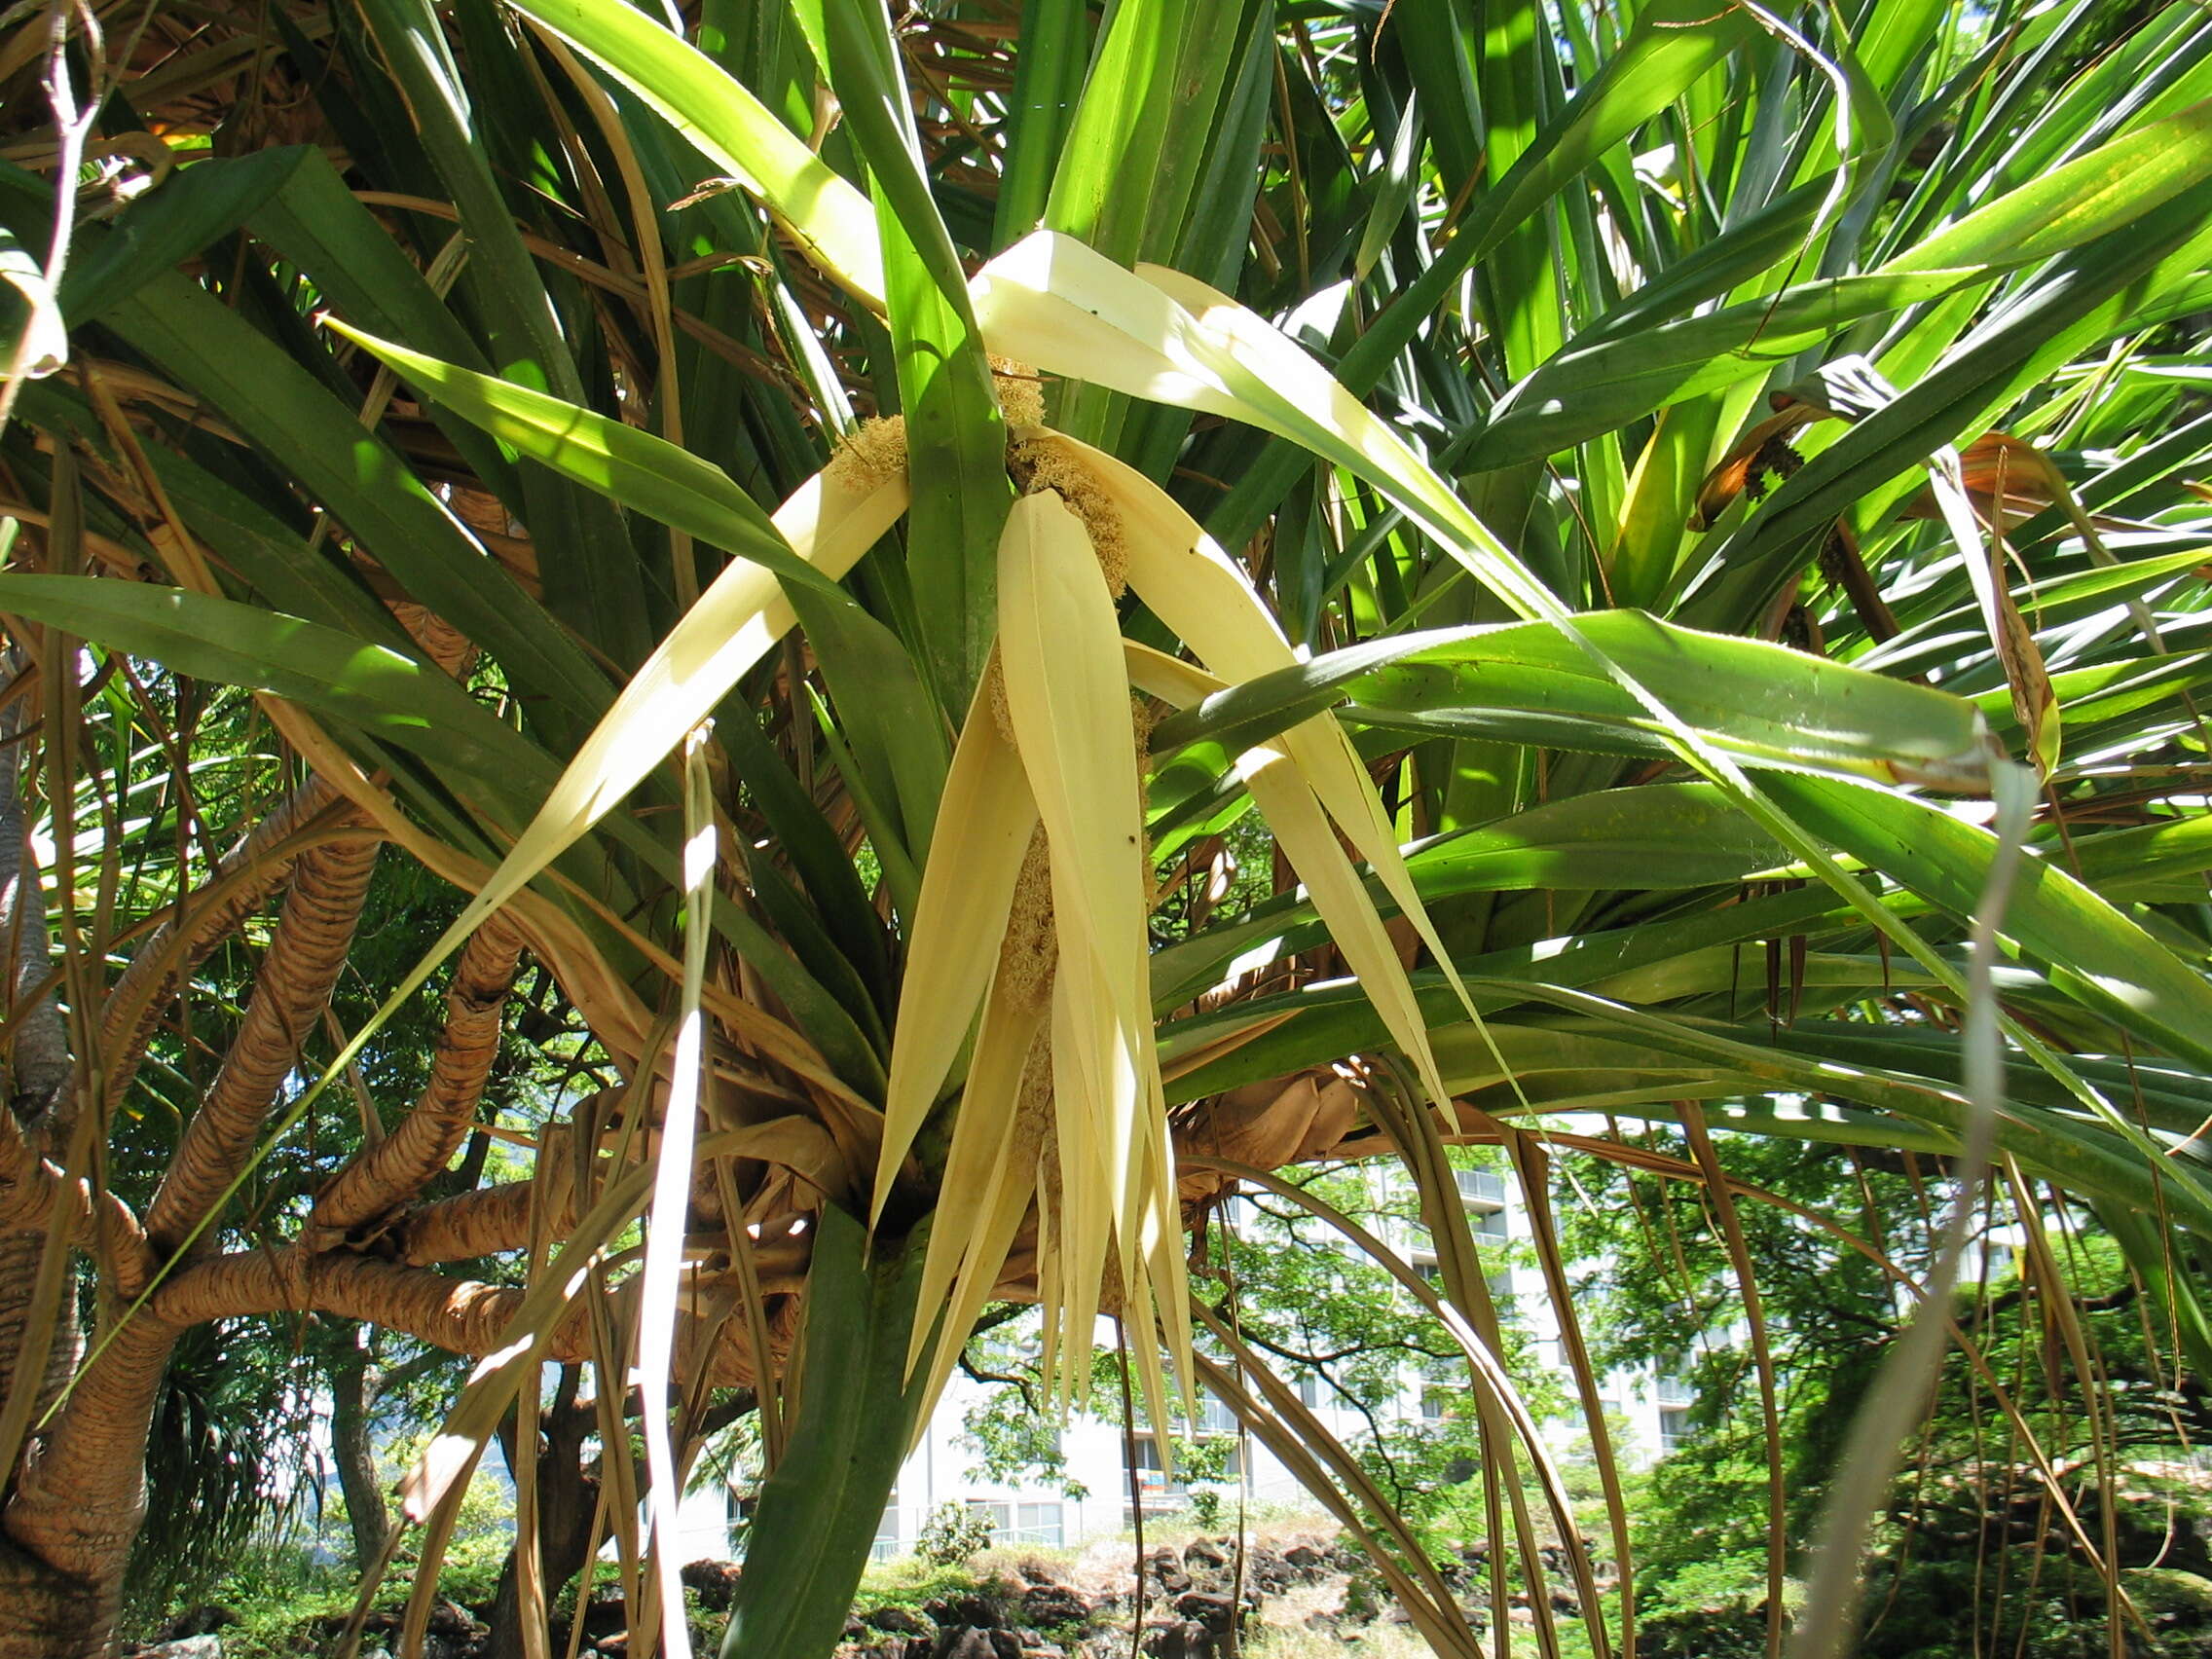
(352, 1413)
(80, 1494)
(48, 1615)
(566, 1495)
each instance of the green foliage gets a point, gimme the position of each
(1558, 262)
(911, 1581)
(1963, 1549)
(952, 1534)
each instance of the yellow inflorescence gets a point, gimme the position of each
(872, 454)
(1040, 466)
(1021, 392)
(1031, 949)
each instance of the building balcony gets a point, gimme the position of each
(1483, 1187)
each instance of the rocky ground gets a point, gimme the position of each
(1017, 1606)
(1294, 1593)
(1194, 1597)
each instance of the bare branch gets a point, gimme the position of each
(39, 1062)
(386, 1175)
(242, 880)
(289, 992)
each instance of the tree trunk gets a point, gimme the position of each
(48, 1615)
(352, 1413)
(567, 1496)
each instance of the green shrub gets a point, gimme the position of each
(953, 1535)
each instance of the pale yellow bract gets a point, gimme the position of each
(1061, 1107)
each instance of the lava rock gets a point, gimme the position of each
(451, 1618)
(604, 1616)
(1054, 1604)
(716, 1582)
(1214, 1611)
(974, 1641)
(979, 1612)
(205, 1645)
(898, 1621)
(1166, 1570)
(1186, 1640)
(1205, 1553)
(203, 1620)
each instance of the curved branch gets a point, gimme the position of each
(487, 1221)
(243, 879)
(464, 1316)
(289, 992)
(100, 1224)
(39, 1064)
(386, 1175)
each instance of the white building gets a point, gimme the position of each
(1649, 1414)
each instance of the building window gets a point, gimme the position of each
(1674, 1427)
(1309, 1390)
(1036, 1523)
(1215, 1418)
(1143, 1454)
(1152, 1480)
(1491, 1225)
(1436, 1403)
(1501, 1295)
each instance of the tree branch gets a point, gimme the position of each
(382, 1177)
(289, 992)
(243, 879)
(39, 1064)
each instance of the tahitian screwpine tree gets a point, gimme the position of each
(823, 528)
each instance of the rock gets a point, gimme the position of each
(1207, 1553)
(1304, 1557)
(715, 1581)
(604, 1616)
(854, 1630)
(451, 1618)
(1166, 1570)
(979, 1612)
(972, 1641)
(898, 1621)
(1215, 1612)
(203, 1620)
(1054, 1604)
(1178, 1641)
(206, 1645)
